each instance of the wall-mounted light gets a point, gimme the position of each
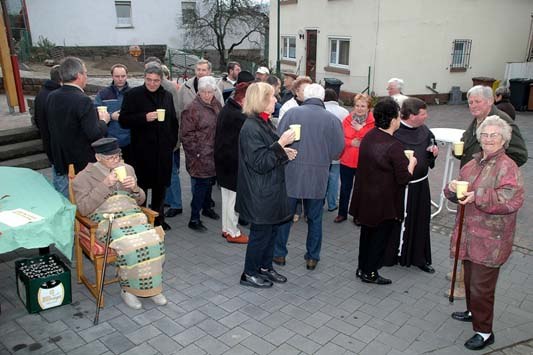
(301, 34)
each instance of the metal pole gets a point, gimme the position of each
(278, 63)
(457, 246)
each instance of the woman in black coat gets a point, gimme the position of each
(152, 141)
(261, 192)
(229, 123)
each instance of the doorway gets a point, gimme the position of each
(310, 61)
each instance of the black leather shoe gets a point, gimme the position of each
(477, 342)
(279, 260)
(255, 281)
(273, 275)
(165, 226)
(197, 226)
(465, 316)
(210, 213)
(427, 268)
(173, 212)
(358, 273)
(311, 264)
(374, 278)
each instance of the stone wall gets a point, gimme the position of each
(157, 50)
(31, 86)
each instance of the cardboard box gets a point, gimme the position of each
(43, 282)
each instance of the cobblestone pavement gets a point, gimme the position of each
(326, 311)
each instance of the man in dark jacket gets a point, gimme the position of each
(322, 140)
(152, 139)
(73, 122)
(39, 108)
(112, 97)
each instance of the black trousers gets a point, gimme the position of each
(372, 242)
(158, 202)
(260, 248)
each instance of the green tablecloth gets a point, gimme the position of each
(30, 190)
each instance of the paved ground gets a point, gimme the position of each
(326, 311)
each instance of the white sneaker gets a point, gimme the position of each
(159, 299)
(131, 300)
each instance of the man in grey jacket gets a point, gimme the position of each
(321, 141)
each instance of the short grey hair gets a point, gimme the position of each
(204, 61)
(207, 83)
(480, 90)
(505, 129)
(314, 91)
(70, 67)
(153, 68)
(503, 91)
(399, 83)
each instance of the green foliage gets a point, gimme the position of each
(43, 50)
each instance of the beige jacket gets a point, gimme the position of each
(90, 191)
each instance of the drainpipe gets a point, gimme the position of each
(278, 63)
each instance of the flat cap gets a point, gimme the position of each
(106, 146)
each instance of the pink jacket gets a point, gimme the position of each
(489, 224)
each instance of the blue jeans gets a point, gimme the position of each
(201, 196)
(173, 195)
(60, 182)
(259, 250)
(313, 210)
(347, 180)
(333, 186)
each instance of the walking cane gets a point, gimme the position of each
(109, 217)
(457, 245)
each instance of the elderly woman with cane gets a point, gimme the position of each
(491, 201)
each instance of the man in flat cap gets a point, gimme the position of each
(286, 92)
(110, 186)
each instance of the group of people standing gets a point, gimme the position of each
(271, 149)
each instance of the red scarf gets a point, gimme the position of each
(265, 116)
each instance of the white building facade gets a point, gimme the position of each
(113, 22)
(433, 43)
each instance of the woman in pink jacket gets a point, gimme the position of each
(495, 193)
(355, 126)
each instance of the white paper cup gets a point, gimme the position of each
(460, 188)
(297, 128)
(120, 172)
(160, 114)
(458, 148)
(101, 108)
(409, 153)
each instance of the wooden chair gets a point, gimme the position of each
(87, 243)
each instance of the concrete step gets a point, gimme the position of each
(35, 162)
(20, 149)
(15, 135)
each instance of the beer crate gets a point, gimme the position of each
(43, 282)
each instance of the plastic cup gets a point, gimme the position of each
(460, 188)
(160, 114)
(121, 173)
(297, 128)
(102, 108)
(458, 148)
(409, 153)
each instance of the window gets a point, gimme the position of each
(188, 11)
(339, 52)
(460, 55)
(123, 9)
(288, 51)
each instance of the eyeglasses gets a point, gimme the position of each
(491, 135)
(112, 157)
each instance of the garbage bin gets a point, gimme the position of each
(520, 92)
(483, 80)
(333, 83)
